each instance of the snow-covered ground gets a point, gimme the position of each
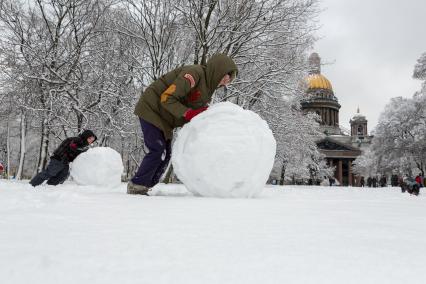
(291, 234)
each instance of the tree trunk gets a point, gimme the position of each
(8, 147)
(79, 122)
(282, 174)
(44, 145)
(22, 148)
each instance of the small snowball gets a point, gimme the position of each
(100, 166)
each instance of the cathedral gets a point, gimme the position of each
(340, 147)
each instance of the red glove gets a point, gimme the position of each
(73, 146)
(190, 113)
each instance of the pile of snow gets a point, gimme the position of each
(100, 166)
(225, 151)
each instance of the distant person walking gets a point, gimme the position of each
(1, 169)
(362, 182)
(369, 181)
(383, 181)
(374, 181)
(394, 180)
(400, 180)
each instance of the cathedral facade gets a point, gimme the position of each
(340, 147)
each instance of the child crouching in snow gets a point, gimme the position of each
(170, 102)
(57, 170)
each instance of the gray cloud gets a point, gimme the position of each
(373, 46)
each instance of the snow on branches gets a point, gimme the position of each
(75, 64)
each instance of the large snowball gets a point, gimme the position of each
(100, 166)
(225, 151)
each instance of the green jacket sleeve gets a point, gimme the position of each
(172, 98)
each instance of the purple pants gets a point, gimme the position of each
(155, 162)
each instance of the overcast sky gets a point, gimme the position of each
(372, 47)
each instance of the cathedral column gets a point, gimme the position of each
(324, 121)
(331, 164)
(350, 172)
(325, 116)
(340, 171)
(330, 113)
(336, 120)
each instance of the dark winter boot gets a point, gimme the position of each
(133, 188)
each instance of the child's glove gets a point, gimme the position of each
(190, 113)
(73, 146)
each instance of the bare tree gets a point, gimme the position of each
(75, 64)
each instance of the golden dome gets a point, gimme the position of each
(318, 81)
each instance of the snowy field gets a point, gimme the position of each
(292, 234)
